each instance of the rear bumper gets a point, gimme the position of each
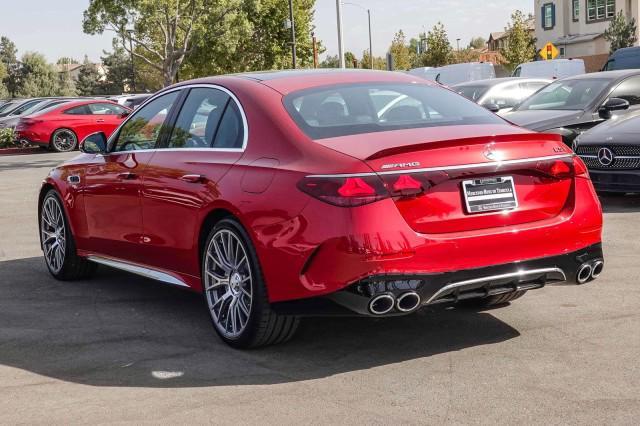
(616, 180)
(451, 287)
(33, 138)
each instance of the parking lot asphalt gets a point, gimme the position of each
(120, 348)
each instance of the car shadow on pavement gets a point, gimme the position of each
(629, 203)
(33, 164)
(122, 330)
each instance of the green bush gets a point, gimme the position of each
(7, 139)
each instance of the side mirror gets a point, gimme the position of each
(95, 143)
(494, 108)
(612, 104)
(125, 114)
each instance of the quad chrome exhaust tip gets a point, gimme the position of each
(597, 268)
(382, 304)
(408, 301)
(584, 273)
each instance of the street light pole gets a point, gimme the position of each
(340, 40)
(133, 68)
(370, 43)
(293, 35)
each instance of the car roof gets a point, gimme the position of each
(609, 75)
(496, 81)
(288, 81)
(79, 102)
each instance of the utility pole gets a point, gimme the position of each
(315, 50)
(458, 43)
(340, 41)
(293, 34)
(370, 43)
(133, 68)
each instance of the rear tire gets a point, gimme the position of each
(235, 291)
(64, 140)
(499, 299)
(57, 242)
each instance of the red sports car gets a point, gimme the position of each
(61, 127)
(284, 194)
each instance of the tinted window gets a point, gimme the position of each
(25, 106)
(230, 132)
(48, 105)
(364, 108)
(198, 119)
(79, 110)
(504, 96)
(471, 92)
(628, 90)
(143, 128)
(566, 95)
(106, 109)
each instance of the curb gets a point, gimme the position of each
(19, 150)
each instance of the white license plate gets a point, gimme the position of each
(485, 195)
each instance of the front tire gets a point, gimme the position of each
(64, 140)
(235, 291)
(57, 242)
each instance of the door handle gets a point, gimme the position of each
(100, 120)
(127, 176)
(193, 178)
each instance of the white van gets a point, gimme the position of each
(553, 69)
(457, 73)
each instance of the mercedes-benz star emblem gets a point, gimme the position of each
(605, 156)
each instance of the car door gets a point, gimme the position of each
(79, 119)
(113, 182)
(107, 116)
(207, 139)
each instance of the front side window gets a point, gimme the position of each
(374, 107)
(628, 90)
(566, 95)
(504, 97)
(144, 127)
(199, 119)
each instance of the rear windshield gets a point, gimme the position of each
(352, 109)
(472, 92)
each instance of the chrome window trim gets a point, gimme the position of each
(444, 168)
(245, 122)
(143, 271)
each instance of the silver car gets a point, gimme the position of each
(500, 95)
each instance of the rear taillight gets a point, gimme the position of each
(28, 121)
(345, 192)
(580, 169)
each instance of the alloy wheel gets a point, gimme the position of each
(53, 232)
(228, 283)
(64, 140)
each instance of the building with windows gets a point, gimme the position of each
(576, 26)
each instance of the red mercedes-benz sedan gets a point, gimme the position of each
(61, 127)
(284, 194)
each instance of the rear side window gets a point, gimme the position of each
(230, 132)
(365, 108)
(199, 119)
(79, 110)
(629, 90)
(106, 109)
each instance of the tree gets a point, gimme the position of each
(88, 79)
(66, 84)
(8, 56)
(520, 44)
(330, 62)
(4, 93)
(66, 60)
(37, 77)
(255, 39)
(438, 49)
(378, 62)
(400, 52)
(163, 31)
(465, 55)
(477, 43)
(350, 60)
(621, 33)
(119, 74)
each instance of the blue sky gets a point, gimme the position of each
(54, 27)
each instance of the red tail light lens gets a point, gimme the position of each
(345, 192)
(561, 168)
(580, 169)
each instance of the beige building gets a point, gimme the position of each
(576, 26)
